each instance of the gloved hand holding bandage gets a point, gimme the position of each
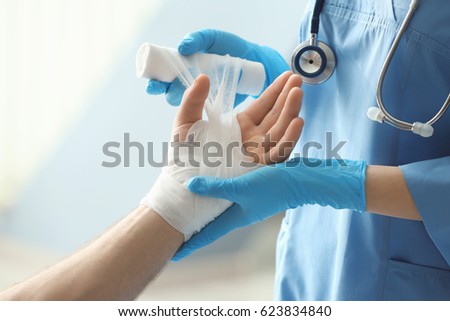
(215, 147)
(221, 43)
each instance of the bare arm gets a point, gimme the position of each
(116, 266)
(121, 262)
(388, 194)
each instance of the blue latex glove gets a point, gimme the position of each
(272, 189)
(221, 43)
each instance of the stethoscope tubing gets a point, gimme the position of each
(388, 117)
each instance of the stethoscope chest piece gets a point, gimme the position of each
(314, 62)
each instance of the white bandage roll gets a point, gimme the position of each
(152, 63)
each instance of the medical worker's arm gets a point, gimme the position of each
(387, 193)
(341, 184)
(116, 266)
(221, 43)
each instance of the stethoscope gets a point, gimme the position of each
(315, 61)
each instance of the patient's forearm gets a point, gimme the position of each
(116, 266)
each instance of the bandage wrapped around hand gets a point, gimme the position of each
(212, 147)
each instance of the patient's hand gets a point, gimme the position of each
(270, 126)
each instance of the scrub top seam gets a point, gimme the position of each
(404, 85)
(430, 43)
(370, 19)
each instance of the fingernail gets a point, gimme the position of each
(197, 185)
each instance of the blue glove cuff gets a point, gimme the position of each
(328, 182)
(362, 186)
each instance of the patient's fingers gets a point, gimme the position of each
(294, 81)
(262, 106)
(290, 111)
(191, 106)
(286, 144)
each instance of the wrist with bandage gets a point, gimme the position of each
(170, 197)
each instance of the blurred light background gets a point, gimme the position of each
(67, 87)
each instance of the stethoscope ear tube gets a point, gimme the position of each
(381, 114)
(419, 128)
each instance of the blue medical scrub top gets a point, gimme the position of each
(328, 254)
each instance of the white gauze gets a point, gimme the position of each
(214, 149)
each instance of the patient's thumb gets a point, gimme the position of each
(213, 187)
